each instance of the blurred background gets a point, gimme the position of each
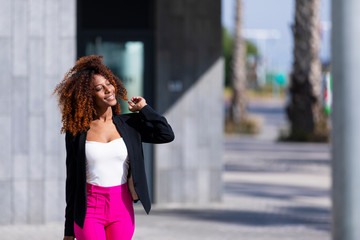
(245, 84)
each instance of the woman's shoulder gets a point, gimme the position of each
(127, 117)
(131, 120)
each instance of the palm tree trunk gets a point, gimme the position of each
(238, 111)
(305, 89)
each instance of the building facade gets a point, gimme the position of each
(167, 51)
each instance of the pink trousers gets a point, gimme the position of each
(109, 215)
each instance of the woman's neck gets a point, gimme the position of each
(104, 115)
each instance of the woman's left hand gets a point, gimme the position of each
(136, 104)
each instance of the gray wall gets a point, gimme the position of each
(189, 90)
(37, 47)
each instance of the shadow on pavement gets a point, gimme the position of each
(282, 192)
(278, 166)
(316, 218)
(276, 146)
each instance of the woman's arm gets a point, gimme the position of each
(152, 126)
(70, 187)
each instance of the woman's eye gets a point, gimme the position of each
(98, 89)
(108, 83)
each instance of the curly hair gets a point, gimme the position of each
(75, 94)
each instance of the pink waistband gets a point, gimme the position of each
(99, 189)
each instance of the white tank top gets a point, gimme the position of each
(107, 164)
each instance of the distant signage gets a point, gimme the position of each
(276, 77)
(327, 92)
(280, 79)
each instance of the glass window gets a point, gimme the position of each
(126, 60)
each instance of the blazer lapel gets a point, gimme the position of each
(121, 127)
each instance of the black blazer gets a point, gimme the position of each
(145, 126)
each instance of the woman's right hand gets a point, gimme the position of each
(69, 238)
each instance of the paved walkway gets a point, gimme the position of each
(272, 191)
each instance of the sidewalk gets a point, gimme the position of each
(271, 191)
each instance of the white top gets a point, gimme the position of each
(107, 164)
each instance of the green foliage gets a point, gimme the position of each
(227, 46)
(227, 42)
(251, 49)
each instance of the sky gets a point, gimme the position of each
(274, 18)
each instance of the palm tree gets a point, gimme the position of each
(238, 111)
(305, 90)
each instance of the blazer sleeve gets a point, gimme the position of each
(153, 127)
(70, 185)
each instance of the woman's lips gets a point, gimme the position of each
(111, 97)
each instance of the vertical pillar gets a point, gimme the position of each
(346, 118)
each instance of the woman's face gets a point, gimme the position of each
(104, 92)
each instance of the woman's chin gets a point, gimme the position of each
(113, 103)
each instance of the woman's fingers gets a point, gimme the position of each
(136, 103)
(136, 99)
(131, 104)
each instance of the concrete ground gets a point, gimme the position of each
(272, 190)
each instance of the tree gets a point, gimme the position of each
(227, 48)
(238, 111)
(305, 90)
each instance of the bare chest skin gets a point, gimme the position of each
(102, 132)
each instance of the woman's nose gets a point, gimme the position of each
(107, 89)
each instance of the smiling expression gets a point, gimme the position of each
(104, 92)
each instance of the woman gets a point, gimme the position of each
(104, 160)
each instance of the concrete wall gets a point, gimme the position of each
(189, 90)
(37, 47)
